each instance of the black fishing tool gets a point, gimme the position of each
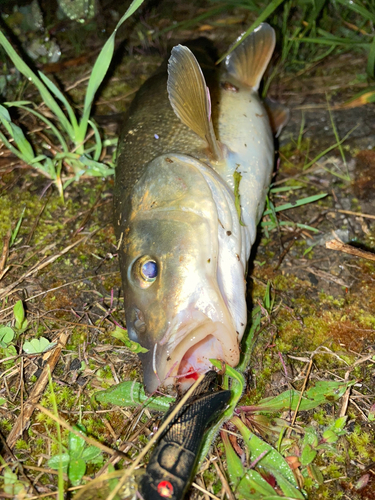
(172, 463)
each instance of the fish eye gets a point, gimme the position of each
(145, 271)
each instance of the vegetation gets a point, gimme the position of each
(301, 420)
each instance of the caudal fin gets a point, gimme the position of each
(248, 62)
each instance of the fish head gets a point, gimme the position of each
(174, 306)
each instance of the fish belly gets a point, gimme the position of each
(244, 129)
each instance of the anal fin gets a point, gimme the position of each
(278, 115)
(190, 97)
(248, 62)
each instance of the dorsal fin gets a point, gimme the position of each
(190, 97)
(248, 61)
(278, 115)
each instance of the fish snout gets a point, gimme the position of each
(185, 352)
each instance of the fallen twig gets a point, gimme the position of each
(89, 440)
(38, 266)
(224, 481)
(36, 392)
(4, 255)
(343, 247)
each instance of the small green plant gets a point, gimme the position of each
(79, 454)
(19, 316)
(37, 346)
(70, 132)
(266, 461)
(122, 334)
(8, 333)
(266, 465)
(315, 443)
(269, 298)
(312, 443)
(271, 211)
(6, 336)
(267, 468)
(13, 486)
(132, 395)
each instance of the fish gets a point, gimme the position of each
(194, 164)
(171, 467)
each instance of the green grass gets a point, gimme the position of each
(71, 131)
(305, 31)
(309, 31)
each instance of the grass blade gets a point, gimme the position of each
(284, 189)
(56, 91)
(41, 117)
(11, 147)
(44, 92)
(269, 224)
(59, 439)
(191, 22)
(17, 228)
(350, 4)
(17, 134)
(100, 69)
(248, 340)
(360, 99)
(334, 41)
(98, 141)
(329, 149)
(298, 203)
(338, 138)
(371, 60)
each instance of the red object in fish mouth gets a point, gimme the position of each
(196, 359)
(191, 374)
(165, 489)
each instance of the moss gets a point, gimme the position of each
(22, 445)
(362, 444)
(284, 282)
(6, 425)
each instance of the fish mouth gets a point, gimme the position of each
(190, 349)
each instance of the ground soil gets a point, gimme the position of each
(324, 299)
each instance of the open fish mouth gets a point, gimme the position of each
(189, 350)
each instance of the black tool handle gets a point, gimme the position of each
(171, 466)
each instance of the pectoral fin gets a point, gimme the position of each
(278, 115)
(248, 62)
(190, 97)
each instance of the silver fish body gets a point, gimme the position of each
(183, 246)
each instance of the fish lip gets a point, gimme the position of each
(183, 342)
(180, 329)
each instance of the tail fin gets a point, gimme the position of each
(250, 59)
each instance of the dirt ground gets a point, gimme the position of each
(63, 265)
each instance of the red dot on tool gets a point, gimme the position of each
(165, 489)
